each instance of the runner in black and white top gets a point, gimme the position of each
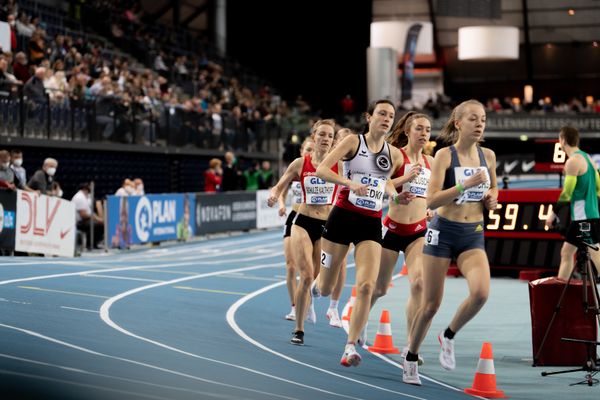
(312, 215)
(368, 163)
(296, 199)
(405, 225)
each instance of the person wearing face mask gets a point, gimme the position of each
(16, 165)
(7, 176)
(126, 189)
(139, 187)
(42, 178)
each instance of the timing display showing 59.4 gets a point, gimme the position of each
(524, 217)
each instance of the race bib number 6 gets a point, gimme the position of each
(432, 237)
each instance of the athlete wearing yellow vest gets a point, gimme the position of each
(581, 190)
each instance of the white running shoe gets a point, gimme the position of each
(350, 357)
(292, 315)
(311, 315)
(405, 352)
(447, 352)
(410, 374)
(334, 318)
(362, 339)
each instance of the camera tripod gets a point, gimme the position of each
(588, 274)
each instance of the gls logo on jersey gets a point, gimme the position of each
(383, 162)
(316, 181)
(367, 180)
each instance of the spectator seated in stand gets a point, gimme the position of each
(84, 216)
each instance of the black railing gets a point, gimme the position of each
(112, 119)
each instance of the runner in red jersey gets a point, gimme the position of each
(312, 214)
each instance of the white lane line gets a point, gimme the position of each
(62, 292)
(230, 316)
(389, 360)
(96, 353)
(118, 378)
(125, 278)
(105, 315)
(210, 290)
(189, 248)
(105, 270)
(85, 385)
(250, 278)
(80, 309)
(234, 260)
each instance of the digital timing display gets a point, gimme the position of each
(515, 233)
(521, 217)
(549, 156)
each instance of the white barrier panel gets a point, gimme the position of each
(267, 217)
(45, 225)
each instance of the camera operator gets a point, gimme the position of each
(581, 190)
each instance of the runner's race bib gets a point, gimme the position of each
(318, 192)
(417, 185)
(296, 191)
(475, 193)
(373, 200)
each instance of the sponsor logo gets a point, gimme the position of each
(316, 181)
(393, 225)
(365, 203)
(418, 227)
(417, 190)
(363, 153)
(143, 219)
(509, 166)
(64, 233)
(318, 199)
(383, 162)
(526, 166)
(479, 228)
(367, 180)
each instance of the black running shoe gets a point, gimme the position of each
(297, 338)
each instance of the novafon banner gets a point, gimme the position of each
(150, 218)
(8, 209)
(224, 212)
(45, 224)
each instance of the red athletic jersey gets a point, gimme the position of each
(316, 191)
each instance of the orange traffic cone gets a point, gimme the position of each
(383, 340)
(346, 317)
(404, 270)
(484, 383)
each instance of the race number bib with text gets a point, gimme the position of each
(373, 200)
